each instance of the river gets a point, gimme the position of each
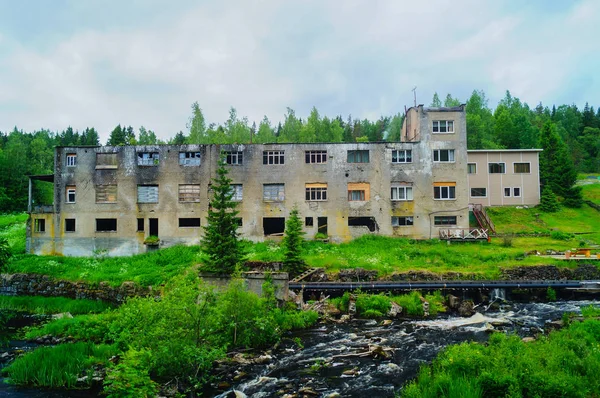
(330, 361)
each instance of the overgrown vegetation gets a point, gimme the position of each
(52, 305)
(378, 305)
(293, 242)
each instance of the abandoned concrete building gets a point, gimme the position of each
(111, 199)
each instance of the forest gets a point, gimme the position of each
(511, 124)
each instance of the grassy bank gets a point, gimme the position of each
(12, 228)
(52, 305)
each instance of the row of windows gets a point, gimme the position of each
(500, 168)
(508, 192)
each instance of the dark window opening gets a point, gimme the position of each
(153, 226)
(358, 156)
(39, 225)
(322, 225)
(444, 220)
(69, 225)
(309, 221)
(273, 225)
(106, 225)
(368, 222)
(239, 221)
(189, 222)
(140, 225)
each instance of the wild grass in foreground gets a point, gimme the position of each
(58, 366)
(52, 305)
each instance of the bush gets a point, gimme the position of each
(5, 253)
(131, 378)
(52, 305)
(550, 294)
(558, 235)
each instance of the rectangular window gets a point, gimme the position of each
(358, 191)
(148, 159)
(106, 225)
(189, 223)
(497, 168)
(517, 192)
(69, 225)
(443, 155)
(106, 194)
(238, 192)
(402, 156)
(316, 192)
(439, 221)
(70, 194)
(140, 225)
(402, 221)
(478, 192)
(402, 192)
(358, 156)
(106, 161)
(444, 190)
(315, 156)
(239, 221)
(39, 225)
(71, 160)
(147, 193)
(189, 158)
(189, 193)
(507, 192)
(273, 157)
(309, 221)
(233, 158)
(472, 168)
(273, 192)
(522, 168)
(443, 126)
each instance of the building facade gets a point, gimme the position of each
(112, 199)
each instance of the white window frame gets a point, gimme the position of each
(407, 219)
(70, 190)
(471, 164)
(474, 196)
(315, 157)
(514, 192)
(446, 192)
(315, 194)
(273, 192)
(438, 153)
(406, 156)
(189, 158)
(71, 159)
(503, 167)
(234, 158)
(447, 125)
(403, 193)
(275, 157)
(517, 172)
(153, 187)
(444, 224)
(509, 192)
(238, 192)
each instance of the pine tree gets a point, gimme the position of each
(548, 202)
(220, 245)
(292, 244)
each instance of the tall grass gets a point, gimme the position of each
(52, 305)
(58, 366)
(12, 228)
(378, 305)
(91, 327)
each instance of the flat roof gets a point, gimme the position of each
(502, 150)
(42, 177)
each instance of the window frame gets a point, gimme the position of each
(104, 188)
(234, 158)
(315, 192)
(152, 160)
(142, 222)
(514, 192)
(238, 192)
(186, 160)
(405, 188)
(521, 163)
(107, 156)
(407, 156)
(478, 196)
(188, 193)
(469, 170)
(180, 219)
(69, 231)
(509, 190)
(147, 186)
(315, 156)
(447, 124)
(273, 157)
(438, 153)
(409, 221)
(39, 225)
(71, 160)
(70, 190)
(491, 164)
(445, 221)
(280, 197)
(353, 155)
(439, 191)
(106, 231)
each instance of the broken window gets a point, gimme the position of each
(238, 192)
(189, 223)
(358, 191)
(273, 225)
(69, 225)
(140, 225)
(478, 192)
(522, 168)
(106, 161)
(471, 168)
(402, 192)
(189, 158)
(443, 155)
(238, 221)
(70, 194)
(309, 221)
(368, 222)
(358, 156)
(273, 192)
(322, 225)
(316, 192)
(497, 168)
(444, 190)
(315, 156)
(71, 159)
(443, 126)
(273, 157)
(147, 194)
(444, 220)
(402, 221)
(233, 158)
(402, 156)
(39, 225)
(148, 159)
(106, 225)
(106, 193)
(189, 193)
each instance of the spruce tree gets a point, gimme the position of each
(292, 244)
(548, 202)
(220, 245)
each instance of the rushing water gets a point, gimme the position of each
(330, 362)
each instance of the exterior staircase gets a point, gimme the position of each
(305, 274)
(483, 219)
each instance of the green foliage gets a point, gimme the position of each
(292, 243)
(507, 240)
(550, 294)
(220, 245)
(52, 305)
(590, 311)
(559, 235)
(378, 305)
(58, 366)
(130, 377)
(564, 364)
(80, 327)
(548, 201)
(411, 303)
(5, 253)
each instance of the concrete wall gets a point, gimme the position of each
(496, 183)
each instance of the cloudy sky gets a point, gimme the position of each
(143, 62)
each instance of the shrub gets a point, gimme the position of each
(293, 243)
(5, 253)
(550, 294)
(548, 201)
(131, 378)
(507, 240)
(558, 235)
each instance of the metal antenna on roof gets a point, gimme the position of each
(414, 90)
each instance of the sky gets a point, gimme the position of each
(99, 63)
